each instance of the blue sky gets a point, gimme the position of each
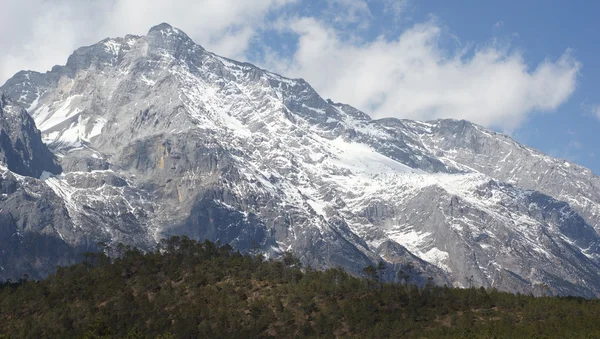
(541, 29)
(527, 68)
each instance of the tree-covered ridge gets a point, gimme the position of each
(188, 289)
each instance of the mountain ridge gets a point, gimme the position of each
(159, 137)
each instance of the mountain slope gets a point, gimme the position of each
(160, 137)
(504, 159)
(38, 229)
(31, 215)
(21, 149)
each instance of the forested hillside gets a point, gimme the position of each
(188, 289)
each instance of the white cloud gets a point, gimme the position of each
(410, 76)
(44, 32)
(414, 77)
(222, 26)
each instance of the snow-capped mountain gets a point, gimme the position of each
(157, 136)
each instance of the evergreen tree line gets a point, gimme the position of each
(187, 289)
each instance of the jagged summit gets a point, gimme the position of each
(167, 33)
(158, 137)
(162, 27)
(166, 29)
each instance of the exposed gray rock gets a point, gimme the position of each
(469, 147)
(21, 148)
(159, 137)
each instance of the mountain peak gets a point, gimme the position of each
(169, 37)
(159, 137)
(162, 27)
(167, 30)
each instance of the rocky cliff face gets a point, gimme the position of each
(30, 212)
(157, 136)
(21, 149)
